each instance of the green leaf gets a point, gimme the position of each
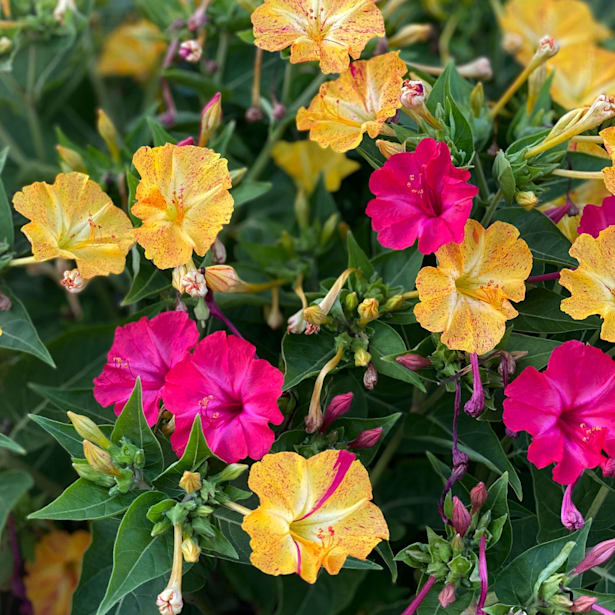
(15, 483)
(84, 500)
(77, 400)
(249, 191)
(147, 282)
(399, 267)
(385, 552)
(18, 332)
(357, 258)
(7, 231)
(384, 345)
(504, 176)
(159, 135)
(449, 85)
(196, 452)
(6, 442)
(497, 503)
(305, 355)
(137, 556)
(539, 349)
(132, 424)
(461, 131)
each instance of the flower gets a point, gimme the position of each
(234, 393)
(568, 409)
(467, 296)
(608, 135)
(132, 50)
(313, 512)
(328, 31)
(52, 577)
(72, 281)
(592, 283)
(360, 100)
(145, 349)
(183, 200)
(570, 22)
(74, 219)
(420, 195)
(305, 162)
(191, 51)
(596, 218)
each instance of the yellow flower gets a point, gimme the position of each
(183, 200)
(313, 512)
(569, 22)
(74, 219)
(608, 135)
(577, 83)
(305, 161)
(360, 100)
(592, 283)
(132, 50)
(467, 296)
(328, 31)
(52, 577)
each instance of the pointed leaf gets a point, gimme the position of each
(14, 483)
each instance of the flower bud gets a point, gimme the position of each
(190, 550)
(394, 303)
(88, 429)
(302, 209)
(296, 323)
(478, 497)
(547, 47)
(203, 511)
(366, 439)
(351, 301)
(168, 427)
(224, 279)
(527, 200)
(461, 517)
(477, 69)
(410, 34)
(370, 377)
(254, 115)
(191, 51)
(211, 67)
(160, 527)
(512, 42)
(361, 357)
(413, 361)
(186, 141)
(106, 129)
(337, 407)
(211, 116)
(447, 596)
(5, 303)
(231, 472)
(71, 159)
(218, 252)
(389, 148)
(477, 99)
(237, 175)
(279, 110)
(596, 556)
(84, 470)
(73, 282)
(99, 459)
(190, 482)
(5, 44)
(329, 228)
(368, 311)
(583, 604)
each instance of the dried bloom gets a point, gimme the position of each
(191, 51)
(467, 296)
(74, 219)
(145, 349)
(233, 392)
(337, 407)
(570, 515)
(360, 100)
(420, 195)
(183, 199)
(477, 69)
(328, 31)
(370, 377)
(190, 482)
(305, 161)
(567, 408)
(314, 418)
(389, 148)
(367, 438)
(296, 323)
(368, 311)
(72, 281)
(447, 596)
(591, 284)
(313, 512)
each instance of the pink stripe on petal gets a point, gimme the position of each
(298, 556)
(342, 465)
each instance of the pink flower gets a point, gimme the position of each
(420, 195)
(145, 349)
(234, 392)
(569, 409)
(596, 218)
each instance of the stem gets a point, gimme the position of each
(598, 502)
(421, 595)
(287, 83)
(256, 81)
(514, 86)
(176, 571)
(601, 609)
(221, 54)
(491, 207)
(578, 174)
(480, 176)
(411, 294)
(484, 578)
(387, 455)
(216, 312)
(19, 262)
(588, 139)
(545, 277)
(242, 510)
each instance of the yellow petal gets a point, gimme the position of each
(359, 101)
(328, 32)
(183, 200)
(74, 219)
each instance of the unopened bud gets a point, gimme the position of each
(368, 310)
(107, 130)
(218, 253)
(478, 497)
(413, 361)
(461, 517)
(302, 209)
(370, 377)
(366, 439)
(477, 99)
(296, 323)
(99, 459)
(190, 482)
(203, 511)
(337, 407)
(190, 550)
(254, 114)
(583, 604)
(351, 301)
(73, 282)
(361, 357)
(84, 470)
(88, 429)
(394, 303)
(389, 148)
(211, 116)
(186, 141)
(279, 111)
(512, 42)
(477, 69)
(231, 472)
(71, 159)
(211, 67)
(161, 527)
(547, 47)
(5, 44)
(596, 556)
(224, 279)
(447, 596)
(191, 51)
(329, 228)
(168, 427)
(410, 34)
(527, 200)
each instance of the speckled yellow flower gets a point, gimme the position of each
(52, 577)
(313, 512)
(327, 31)
(305, 161)
(183, 199)
(592, 283)
(608, 174)
(74, 219)
(360, 100)
(132, 50)
(467, 296)
(569, 22)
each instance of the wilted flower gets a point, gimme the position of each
(368, 311)
(72, 281)
(190, 481)
(570, 515)
(313, 512)
(191, 51)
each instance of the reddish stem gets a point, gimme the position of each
(545, 277)
(216, 312)
(601, 609)
(484, 576)
(421, 595)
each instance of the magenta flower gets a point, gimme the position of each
(145, 349)
(596, 218)
(569, 409)
(420, 195)
(233, 391)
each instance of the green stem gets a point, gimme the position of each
(480, 176)
(601, 496)
(221, 54)
(19, 262)
(491, 207)
(286, 84)
(387, 455)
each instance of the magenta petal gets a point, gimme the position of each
(596, 219)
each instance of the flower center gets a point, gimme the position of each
(176, 208)
(216, 411)
(492, 295)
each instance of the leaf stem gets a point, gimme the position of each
(20, 262)
(601, 496)
(242, 510)
(491, 207)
